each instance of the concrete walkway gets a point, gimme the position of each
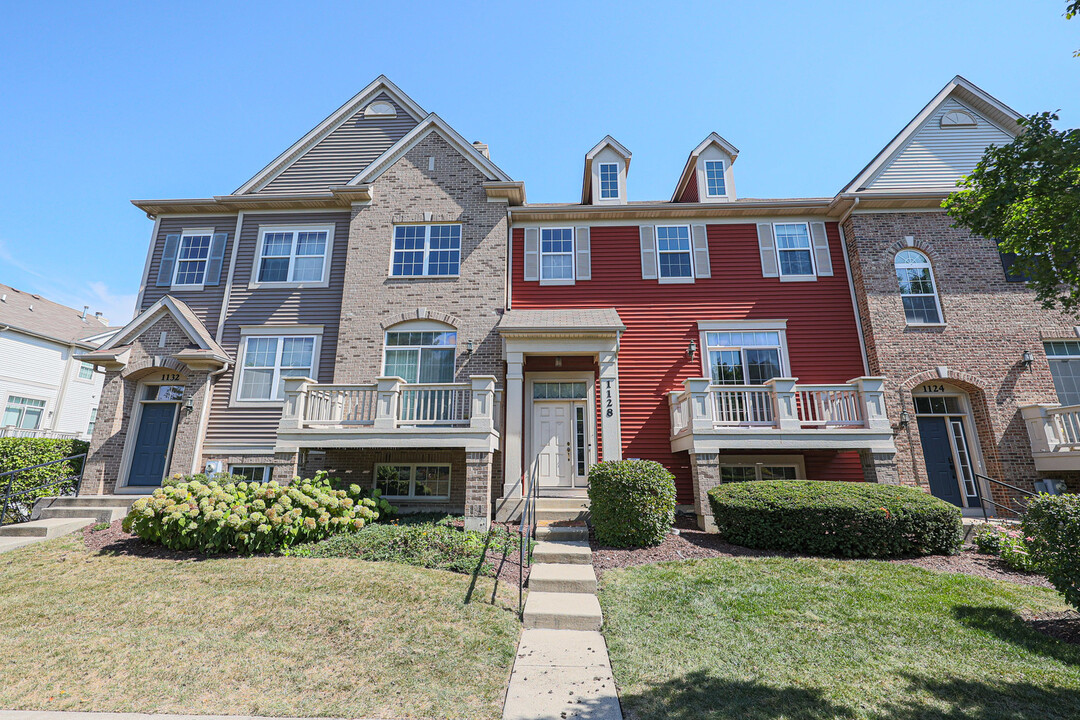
(562, 669)
(56, 516)
(57, 715)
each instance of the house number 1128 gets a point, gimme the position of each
(609, 403)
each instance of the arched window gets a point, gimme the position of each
(917, 289)
(421, 351)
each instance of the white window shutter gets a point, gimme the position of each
(216, 259)
(767, 250)
(822, 257)
(168, 260)
(701, 251)
(648, 253)
(583, 253)
(532, 254)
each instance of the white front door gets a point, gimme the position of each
(553, 444)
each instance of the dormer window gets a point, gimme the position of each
(714, 178)
(609, 181)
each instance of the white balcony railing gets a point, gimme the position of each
(780, 403)
(389, 404)
(1054, 431)
(18, 432)
(1066, 421)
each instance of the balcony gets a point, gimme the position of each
(389, 413)
(17, 432)
(1054, 431)
(780, 415)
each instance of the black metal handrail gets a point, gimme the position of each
(985, 500)
(12, 475)
(528, 520)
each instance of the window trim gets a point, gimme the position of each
(777, 326)
(254, 282)
(933, 281)
(690, 251)
(187, 233)
(268, 470)
(419, 348)
(44, 410)
(278, 331)
(427, 250)
(757, 461)
(412, 496)
(813, 276)
(92, 422)
(1051, 358)
(78, 373)
(573, 257)
(723, 177)
(600, 180)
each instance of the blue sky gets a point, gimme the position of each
(103, 105)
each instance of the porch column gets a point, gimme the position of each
(515, 415)
(705, 472)
(610, 430)
(879, 467)
(1040, 428)
(478, 491)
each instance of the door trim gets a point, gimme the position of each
(132, 438)
(585, 376)
(971, 437)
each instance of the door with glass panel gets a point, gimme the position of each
(741, 363)
(560, 434)
(158, 408)
(425, 358)
(947, 454)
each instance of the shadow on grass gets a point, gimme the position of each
(478, 571)
(962, 698)
(1010, 627)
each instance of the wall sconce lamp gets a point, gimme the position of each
(905, 419)
(189, 404)
(469, 348)
(1027, 360)
(691, 349)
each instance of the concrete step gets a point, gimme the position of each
(570, 552)
(562, 611)
(124, 501)
(99, 514)
(11, 543)
(561, 578)
(53, 527)
(547, 503)
(562, 532)
(562, 515)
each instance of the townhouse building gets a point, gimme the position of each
(381, 302)
(45, 389)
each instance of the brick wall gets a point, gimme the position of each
(989, 322)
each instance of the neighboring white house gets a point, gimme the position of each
(44, 390)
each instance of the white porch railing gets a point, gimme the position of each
(18, 432)
(780, 403)
(341, 404)
(1053, 428)
(1066, 421)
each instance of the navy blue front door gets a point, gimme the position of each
(152, 444)
(937, 452)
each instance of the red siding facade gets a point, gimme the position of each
(661, 320)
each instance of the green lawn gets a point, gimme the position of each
(261, 636)
(806, 639)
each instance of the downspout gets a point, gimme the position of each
(204, 416)
(851, 287)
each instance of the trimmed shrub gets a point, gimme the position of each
(836, 519)
(214, 517)
(437, 545)
(631, 502)
(1052, 526)
(16, 453)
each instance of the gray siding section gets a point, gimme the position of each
(341, 155)
(270, 306)
(936, 157)
(205, 303)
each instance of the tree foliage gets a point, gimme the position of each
(1026, 195)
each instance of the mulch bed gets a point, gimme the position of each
(1064, 626)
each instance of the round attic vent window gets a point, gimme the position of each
(380, 109)
(957, 118)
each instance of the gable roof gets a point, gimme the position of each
(608, 141)
(183, 316)
(957, 92)
(431, 123)
(35, 315)
(380, 86)
(691, 161)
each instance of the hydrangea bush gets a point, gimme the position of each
(223, 515)
(1008, 543)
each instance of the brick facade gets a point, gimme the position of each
(988, 324)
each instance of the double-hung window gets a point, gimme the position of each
(794, 249)
(425, 482)
(917, 289)
(426, 251)
(86, 371)
(424, 356)
(556, 255)
(744, 357)
(609, 181)
(674, 256)
(268, 360)
(191, 257)
(294, 254)
(93, 422)
(714, 178)
(22, 412)
(1064, 357)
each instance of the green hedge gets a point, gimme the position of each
(1052, 529)
(16, 453)
(631, 502)
(837, 519)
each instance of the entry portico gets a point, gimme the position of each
(562, 373)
